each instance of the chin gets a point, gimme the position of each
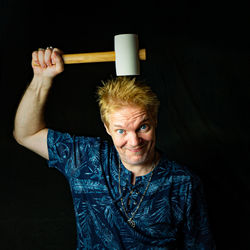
(135, 160)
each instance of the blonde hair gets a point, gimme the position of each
(123, 91)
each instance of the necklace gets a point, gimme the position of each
(130, 220)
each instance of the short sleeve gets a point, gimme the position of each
(69, 154)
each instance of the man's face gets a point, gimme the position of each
(133, 134)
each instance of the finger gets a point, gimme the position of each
(56, 52)
(60, 52)
(41, 57)
(47, 56)
(58, 59)
(35, 60)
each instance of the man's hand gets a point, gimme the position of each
(47, 62)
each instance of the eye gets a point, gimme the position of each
(144, 127)
(120, 131)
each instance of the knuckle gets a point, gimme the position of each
(34, 54)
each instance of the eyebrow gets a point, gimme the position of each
(121, 126)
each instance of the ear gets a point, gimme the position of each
(107, 129)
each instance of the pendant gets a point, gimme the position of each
(131, 223)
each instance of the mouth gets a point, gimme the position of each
(136, 150)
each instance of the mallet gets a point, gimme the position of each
(126, 55)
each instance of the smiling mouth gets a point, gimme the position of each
(135, 150)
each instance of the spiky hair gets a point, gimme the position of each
(123, 91)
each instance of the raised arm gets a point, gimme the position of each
(29, 128)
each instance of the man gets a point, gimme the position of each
(127, 195)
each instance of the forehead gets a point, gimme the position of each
(128, 115)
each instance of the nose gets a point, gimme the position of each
(134, 140)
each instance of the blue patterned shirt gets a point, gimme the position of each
(172, 214)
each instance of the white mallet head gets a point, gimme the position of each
(126, 55)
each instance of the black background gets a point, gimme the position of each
(198, 63)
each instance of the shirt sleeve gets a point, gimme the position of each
(70, 154)
(197, 233)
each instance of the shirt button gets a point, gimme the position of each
(124, 188)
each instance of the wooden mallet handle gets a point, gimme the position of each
(108, 56)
